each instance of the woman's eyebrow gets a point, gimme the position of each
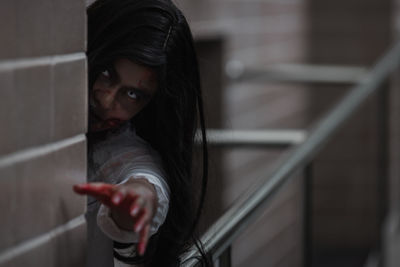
(144, 87)
(114, 75)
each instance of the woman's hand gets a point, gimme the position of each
(132, 205)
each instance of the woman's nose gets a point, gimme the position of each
(108, 98)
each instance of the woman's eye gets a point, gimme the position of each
(105, 73)
(107, 77)
(132, 94)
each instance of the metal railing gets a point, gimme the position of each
(269, 138)
(218, 238)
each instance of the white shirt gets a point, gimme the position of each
(121, 156)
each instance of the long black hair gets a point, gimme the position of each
(155, 33)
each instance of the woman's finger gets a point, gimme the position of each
(94, 189)
(144, 237)
(142, 219)
(136, 206)
(118, 197)
(100, 191)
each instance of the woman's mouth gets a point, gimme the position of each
(113, 122)
(100, 125)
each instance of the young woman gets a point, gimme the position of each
(145, 106)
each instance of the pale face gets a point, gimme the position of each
(121, 93)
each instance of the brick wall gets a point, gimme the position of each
(254, 33)
(43, 106)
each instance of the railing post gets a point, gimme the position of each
(307, 216)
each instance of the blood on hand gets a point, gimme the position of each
(131, 205)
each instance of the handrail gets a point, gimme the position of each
(271, 138)
(249, 205)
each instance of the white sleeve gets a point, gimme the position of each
(109, 227)
(154, 175)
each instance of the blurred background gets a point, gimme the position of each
(275, 65)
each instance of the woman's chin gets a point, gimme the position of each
(104, 126)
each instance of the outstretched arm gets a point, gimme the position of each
(132, 205)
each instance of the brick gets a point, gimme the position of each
(10, 205)
(71, 248)
(63, 250)
(8, 28)
(25, 107)
(68, 26)
(32, 105)
(34, 22)
(33, 29)
(8, 112)
(70, 98)
(42, 101)
(36, 193)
